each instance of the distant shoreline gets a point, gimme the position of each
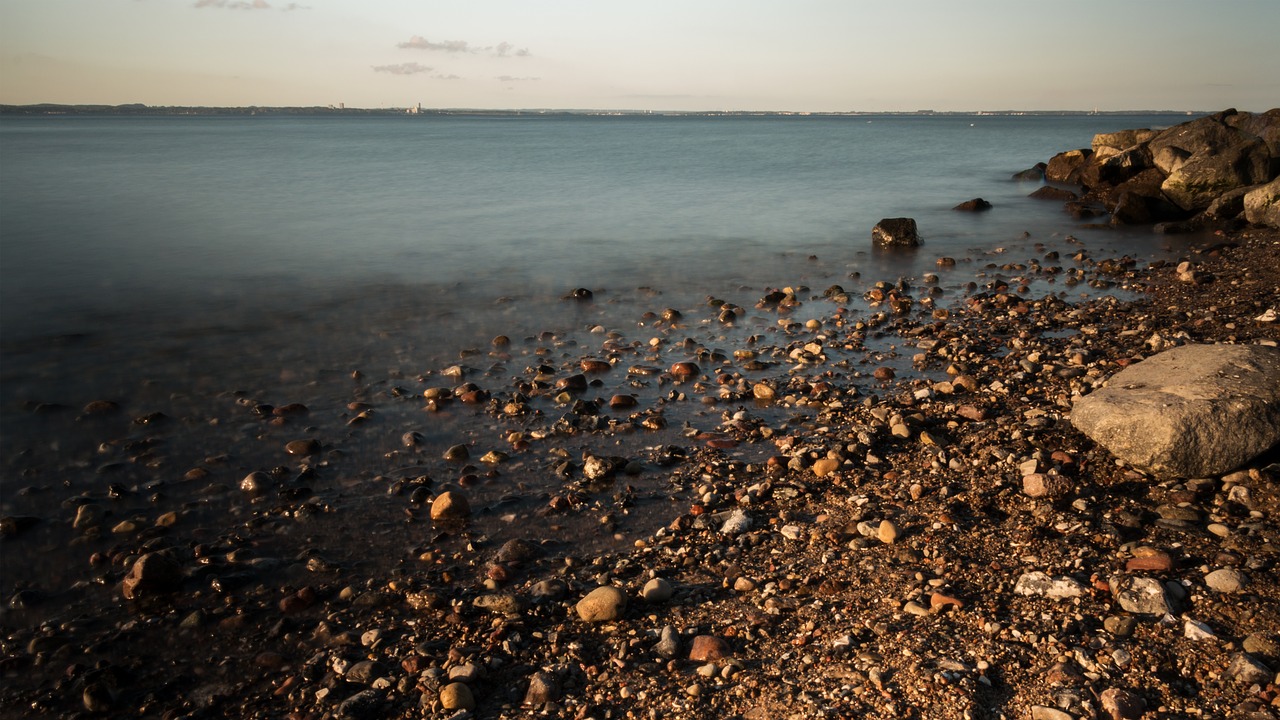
(163, 110)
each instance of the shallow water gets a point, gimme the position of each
(197, 267)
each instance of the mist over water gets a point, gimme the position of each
(203, 216)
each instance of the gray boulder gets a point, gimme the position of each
(1262, 205)
(895, 232)
(1193, 411)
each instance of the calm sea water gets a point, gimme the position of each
(189, 269)
(118, 219)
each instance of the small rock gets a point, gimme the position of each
(543, 689)
(1141, 595)
(1122, 705)
(457, 696)
(1120, 625)
(737, 523)
(668, 643)
(823, 467)
(1226, 580)
(708, 647)
(603, 603)
(302, 447)
(1194, 630)
(657, 590)
(888, 532)
(450, 505)
(152, 574)
(1042, 712)
(1247, 670)
(1038, 583)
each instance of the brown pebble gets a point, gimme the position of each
(708, 647)
(684, 370)
(307, 446)
(450, 505)
(939, 602)
(622, 401)
(1157, 561)
(883, 373)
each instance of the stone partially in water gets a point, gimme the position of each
(895, 232)
(152, 574)
(1193, 411)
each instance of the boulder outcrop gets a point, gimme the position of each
(1193, 411)
(1190, 175)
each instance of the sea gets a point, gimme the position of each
(198, 271)
(190, 220)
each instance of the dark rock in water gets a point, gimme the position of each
(1065, 166)
(15, 525)
(581, 295)
(1031, 174)
(974, 205)
(896, 232)
(1081, 210)
(152, 574)
(1049, 192)
(1193, 411)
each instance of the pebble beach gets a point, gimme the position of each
(859, 500)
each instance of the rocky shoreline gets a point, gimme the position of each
(880, 516)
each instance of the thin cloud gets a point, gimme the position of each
(410, 68)
(511, 78)
(417, 42)
(502, 49)
(234, 4)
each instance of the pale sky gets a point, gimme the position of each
(802, 55)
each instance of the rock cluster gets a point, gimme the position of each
(1214, 169)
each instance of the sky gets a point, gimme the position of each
(798, 55)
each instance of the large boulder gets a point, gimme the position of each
(1262, 205)
(1106, 145)
(896, 232)
(1208, 174)
(1192, 411)
(1065, 166)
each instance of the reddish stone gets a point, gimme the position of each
(708, 647)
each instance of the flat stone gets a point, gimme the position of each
(1042, 712)
(1141, 595)
(823, 467)
(1038, 583)
(1193, 411)
(1247, 670)
(1226, 580)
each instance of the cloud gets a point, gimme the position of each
(510, 78)
(234, 4)
(417, 42)
(502, 49)
(410, 68)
